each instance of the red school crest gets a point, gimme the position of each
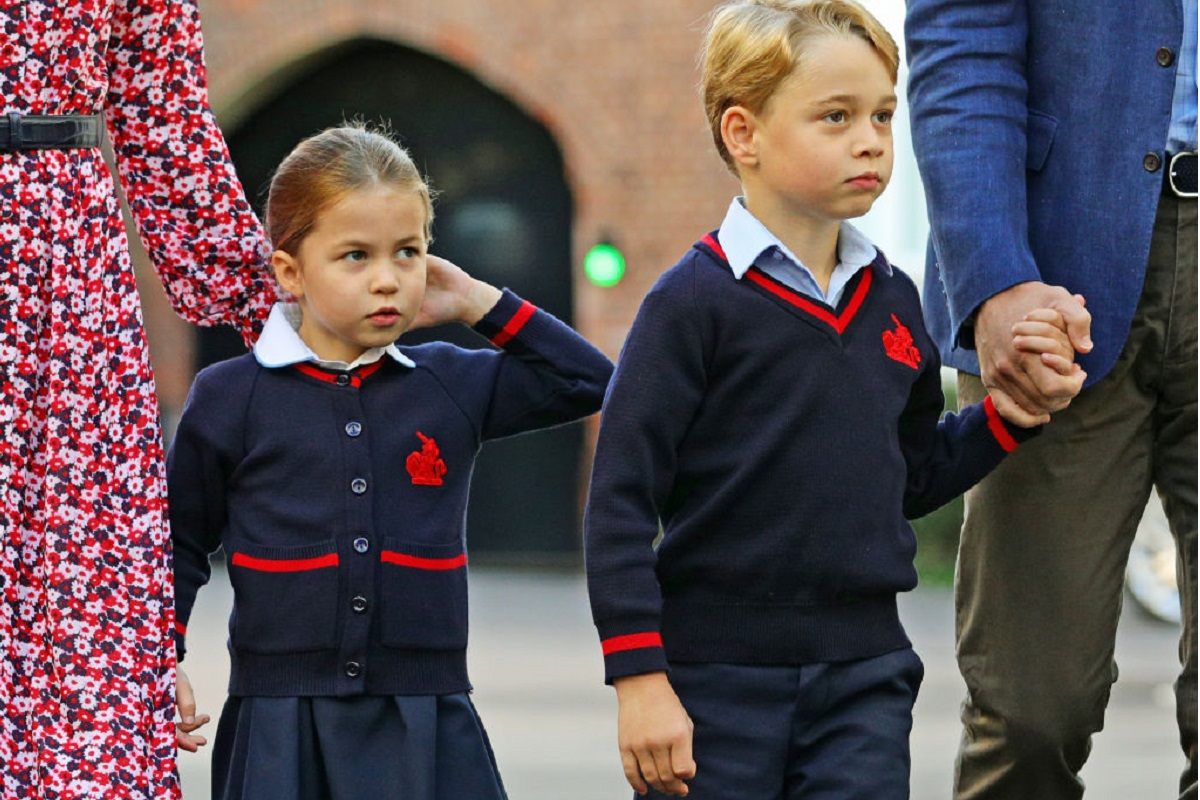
(899, 345)
(426, 465)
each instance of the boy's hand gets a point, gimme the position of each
(189, 720)
(451, 295)
(654, 733)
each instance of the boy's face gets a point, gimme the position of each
(822, 147)
(359, 275)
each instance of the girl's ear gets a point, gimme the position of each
(738, 125)
(288, 273)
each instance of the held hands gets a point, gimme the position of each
(654, 733)
(189, 720)
(451, 295)
(1026, 338)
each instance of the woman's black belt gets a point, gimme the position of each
(46, 132)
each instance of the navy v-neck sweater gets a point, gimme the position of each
(340, 500)
(778, 446)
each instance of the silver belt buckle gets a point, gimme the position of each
(1171, 174)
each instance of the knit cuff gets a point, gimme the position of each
(506, 320)
(180, 641)
(1007, 435)
(632, 653)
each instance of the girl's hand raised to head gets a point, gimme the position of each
(451, 295)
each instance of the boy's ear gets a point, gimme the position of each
(738, 125)
(287, 273)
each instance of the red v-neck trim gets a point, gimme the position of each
(839, 322)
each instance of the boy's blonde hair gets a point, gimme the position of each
(753, 46)
(326, 167)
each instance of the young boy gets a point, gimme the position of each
(776, 410)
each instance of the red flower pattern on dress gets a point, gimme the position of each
(86, 650)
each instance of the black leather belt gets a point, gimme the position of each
(1181, 174)
(44, 132)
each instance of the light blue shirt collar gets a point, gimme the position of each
(280, 344)
(747, 243)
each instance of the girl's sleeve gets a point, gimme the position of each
(199, 463)
(546, 375)
(948, 456)
(206, 244)
(658, 386)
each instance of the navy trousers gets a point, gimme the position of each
(801, 733)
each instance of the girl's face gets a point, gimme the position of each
(359, 275)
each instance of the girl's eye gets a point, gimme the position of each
(836, 116)
(408, 252)
(356, 255)
(884, 117)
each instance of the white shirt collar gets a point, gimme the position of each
(744, 238)
(280, 344)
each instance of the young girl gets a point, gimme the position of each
(332, 466)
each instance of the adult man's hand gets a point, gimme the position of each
(1020, 383)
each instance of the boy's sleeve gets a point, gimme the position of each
(657, 387)
(947, 457)
(198, 466)
(547, 374)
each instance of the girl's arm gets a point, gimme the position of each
(201, 235)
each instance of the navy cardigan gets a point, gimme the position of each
(340, 500)
(780, 444)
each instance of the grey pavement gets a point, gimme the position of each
(535, 663)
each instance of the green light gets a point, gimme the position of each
(604, 265)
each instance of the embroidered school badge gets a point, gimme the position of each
(898, 345)
(426, 465)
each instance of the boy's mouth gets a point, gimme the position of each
(867, 180)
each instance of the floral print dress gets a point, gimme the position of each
(86, 649)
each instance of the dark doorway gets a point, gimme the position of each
(503, 212)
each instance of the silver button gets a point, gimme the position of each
(342, 380)
(359, 604)
(353, 428)
(353, 669)
(361, 545)
(358, 486)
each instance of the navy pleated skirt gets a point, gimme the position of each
(353, 748)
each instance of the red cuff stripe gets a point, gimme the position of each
(400, 559)
(284, 564)
(996, 426)
(632, 641)
(515, 324)
(180, 628)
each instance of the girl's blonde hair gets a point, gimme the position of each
(753, 46)
(324, 168)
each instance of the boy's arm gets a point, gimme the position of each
(658, 385)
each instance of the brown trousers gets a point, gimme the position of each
(1047, 536)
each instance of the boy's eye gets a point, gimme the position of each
(408, 252)
(836, 116)
(356, 255)
(884, 117)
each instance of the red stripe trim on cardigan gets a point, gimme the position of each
(515, 324)
(996, 426)
(631, 641)
(180, 628)
(284, 564)
(838, 323)
(416, 562)
(356, 375)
